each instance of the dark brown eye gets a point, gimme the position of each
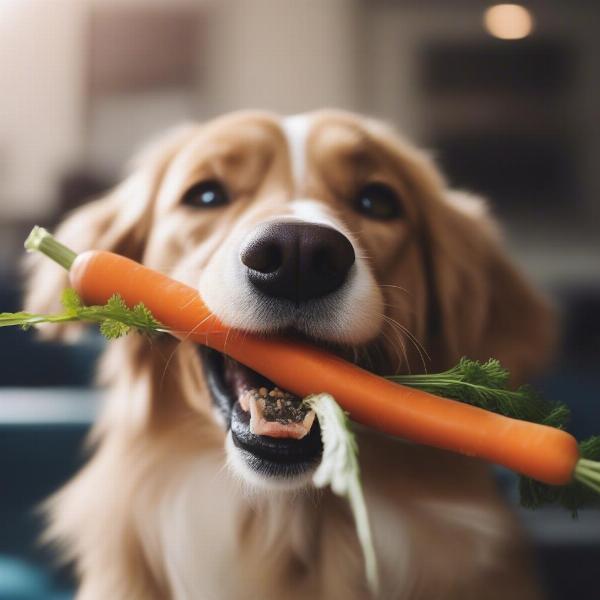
(206, 194)
(378, 201)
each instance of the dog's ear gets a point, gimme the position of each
(481, 305)
(118, 222)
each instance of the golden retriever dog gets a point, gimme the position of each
(328, 227)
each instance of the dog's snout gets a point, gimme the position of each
(297, 260)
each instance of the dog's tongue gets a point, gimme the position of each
(273, 412)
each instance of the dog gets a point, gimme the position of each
(325, 226)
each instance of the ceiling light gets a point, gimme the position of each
(508, 21)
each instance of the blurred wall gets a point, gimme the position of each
(281, 56)
(285, 56)
(41, 103)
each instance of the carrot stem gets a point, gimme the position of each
(39, 240)
(587, 472)
(591, 464)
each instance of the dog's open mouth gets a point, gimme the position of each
(275, 433)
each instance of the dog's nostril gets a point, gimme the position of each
(264, 257)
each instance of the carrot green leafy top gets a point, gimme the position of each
(114, 318)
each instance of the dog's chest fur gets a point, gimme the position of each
(219, 541)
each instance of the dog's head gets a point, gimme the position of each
(324, 226)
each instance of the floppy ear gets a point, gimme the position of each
(482, 306)
(118, 222)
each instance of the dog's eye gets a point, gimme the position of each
(378, 201)
(206, 194)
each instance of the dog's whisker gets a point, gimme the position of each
(400, 341)
(397, 349)
(377, 351)
(422, 350)
(401, 345)
(355, 354)
(412, 338)
(369, 359)
(395, 287)
(406, 335)
(192, 299)
(184, 339)
(380, 348)
(392, 305)
(411, 311)
(175, 268)
(166, 367)
(226, 340)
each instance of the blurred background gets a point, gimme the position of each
(506, 96)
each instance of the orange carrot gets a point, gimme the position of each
(544, 453)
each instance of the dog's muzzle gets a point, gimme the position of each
(292, 268)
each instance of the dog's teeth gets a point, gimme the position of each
(276, 413)
(245, 400)
(309, 419)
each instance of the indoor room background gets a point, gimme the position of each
(507, 102)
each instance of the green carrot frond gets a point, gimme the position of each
(18, 319)
(590, 448)
(70, 300)
(145, 318)
(486, 385)
(117, 304)
(115, 318)
(112, 329)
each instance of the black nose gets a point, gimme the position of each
(297, 261)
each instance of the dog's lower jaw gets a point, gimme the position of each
(253, 482)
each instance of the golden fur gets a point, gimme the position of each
(155, 513)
